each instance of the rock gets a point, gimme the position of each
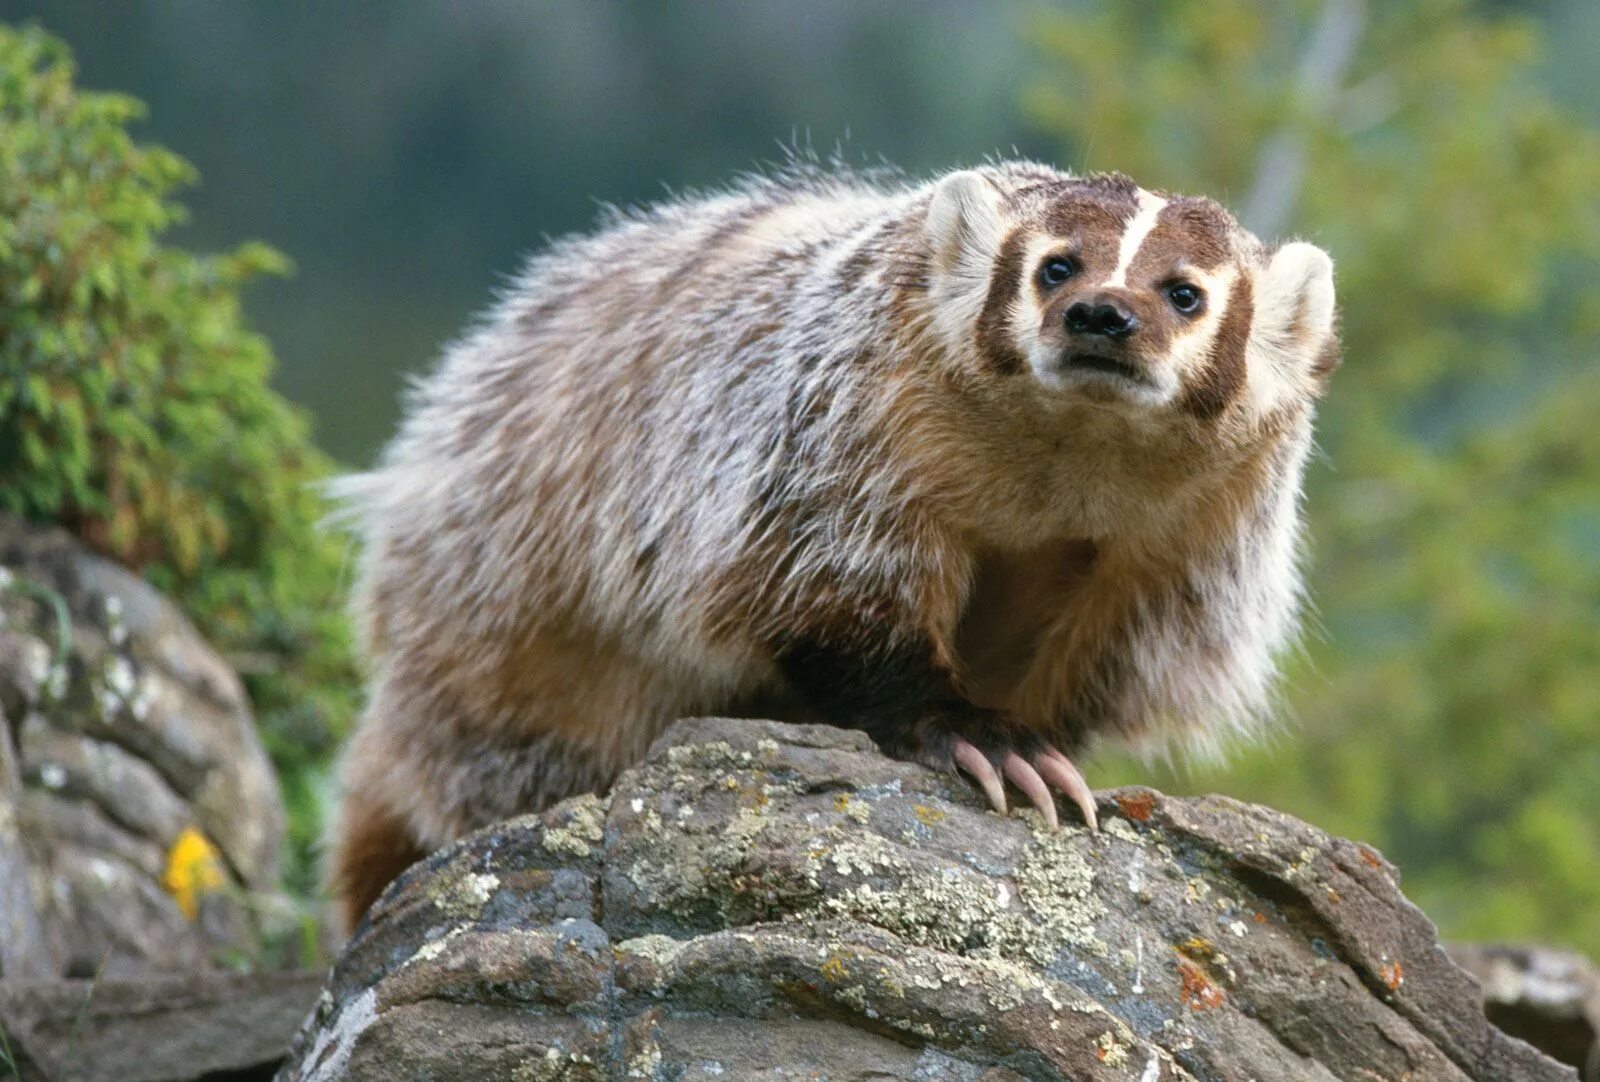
(758, 895)
(153, 1029)
(22, 942)
(1550, 998)
(140, 820)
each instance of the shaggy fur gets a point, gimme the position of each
(826, 443)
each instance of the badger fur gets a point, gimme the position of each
(988, 466)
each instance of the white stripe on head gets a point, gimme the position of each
(1138, 228)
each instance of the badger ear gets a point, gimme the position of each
(963, 225)
(1294, 322)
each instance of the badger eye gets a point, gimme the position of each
(1057, 269)
(1185, 298)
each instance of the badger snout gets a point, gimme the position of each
(1102, 316)
(1100, 341)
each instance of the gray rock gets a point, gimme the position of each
(1550, 998)
(152, 1029)
(121, 732)
(101, 774)
(22, 944)
(759, 900)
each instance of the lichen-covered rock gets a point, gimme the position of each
(758, 896)
(140, 820)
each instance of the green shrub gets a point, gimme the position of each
(135, 406)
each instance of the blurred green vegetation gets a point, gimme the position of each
(135, 407)
(1448, 706)
(410, 153)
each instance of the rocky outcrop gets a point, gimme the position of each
(151, 1029)
(140, 821)
(1550, 998)
(758, 896)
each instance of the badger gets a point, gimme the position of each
(992, 467)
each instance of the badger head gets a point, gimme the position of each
(1101, 292)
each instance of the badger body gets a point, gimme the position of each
(946, 461)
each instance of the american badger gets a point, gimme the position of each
(986, 466)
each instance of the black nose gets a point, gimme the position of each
(1110, 319)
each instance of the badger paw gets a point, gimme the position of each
(994, 749)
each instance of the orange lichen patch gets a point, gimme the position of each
(1199, 991)
(194, 869)
(1333, 896)
(1369, 858)
(1393, 975)
(1138, 806)
(927, 816)
(1260, 917)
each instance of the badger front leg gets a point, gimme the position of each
(913, 708)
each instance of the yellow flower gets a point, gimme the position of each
(194, 868)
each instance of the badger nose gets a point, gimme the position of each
(1109, 318)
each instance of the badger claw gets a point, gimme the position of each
(976, 763)
(1034, 778)
(1064, 775)
(1025, 777)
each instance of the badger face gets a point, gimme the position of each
(1099, 291)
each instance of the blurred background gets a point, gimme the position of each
(406, 155)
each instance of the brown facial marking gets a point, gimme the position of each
(1220, 377)
(1108, 188)
(1189, 232)
(1097, 210)
(995, 344)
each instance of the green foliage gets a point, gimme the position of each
(1449, 710)
(135, 407)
